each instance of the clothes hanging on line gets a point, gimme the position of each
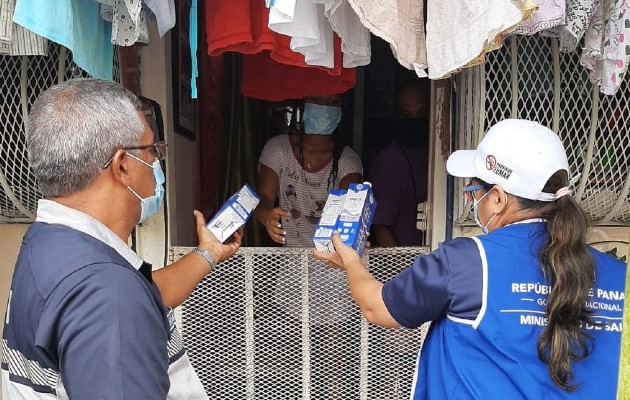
(164, 13)
(311, 23)
(578, 16)
(193, 35)
(551, 13)
(451, 48)
(601, 26)
(355, 37)
(129, 24)
(310, 32)
(16, 40)
(242, 26)
(400, 23)
(60, 21)
(606, 49)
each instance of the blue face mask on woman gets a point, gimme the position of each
(149, 206)
(321, 120)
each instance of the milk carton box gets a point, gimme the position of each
(328, 222)
(234, 213)
(356, 215)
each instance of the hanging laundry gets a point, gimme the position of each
(271, 70)
(282, 82)
(241, 26)
(551, 13)
(60, 20)
(461, 32)
(15, 40)
(193, 32)
(606, 51)
(310, 32)
(578, 15)
(310, 23)
(164, 12)
(129, 23)
(355, 37)
(400, 23)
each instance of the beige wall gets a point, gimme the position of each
(182, 169)
(11, 235)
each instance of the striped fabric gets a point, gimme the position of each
(175, 341)
(16, 40)
(34, 374)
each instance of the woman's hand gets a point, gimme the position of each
(343, 256)
(272, 221)
(209, 242)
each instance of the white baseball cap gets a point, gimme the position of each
(516, 154)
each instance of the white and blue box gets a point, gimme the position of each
(356, 215)
(234, 213)
(328, 221)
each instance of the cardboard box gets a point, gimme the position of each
(328, 221)
(356, 216)
(234, 213)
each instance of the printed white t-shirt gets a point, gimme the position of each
(301, 192)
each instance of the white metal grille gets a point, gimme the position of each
(244, 345)
(22, 79)
(529, 78)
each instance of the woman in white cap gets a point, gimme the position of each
(526, 310)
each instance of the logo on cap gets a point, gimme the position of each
(498, 168)
(491, 162)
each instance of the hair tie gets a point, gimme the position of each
(563, 191)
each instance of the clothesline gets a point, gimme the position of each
(328, 39)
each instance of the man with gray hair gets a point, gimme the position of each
(87, 318)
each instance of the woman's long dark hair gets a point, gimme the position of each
(339, 143)
(570, 269)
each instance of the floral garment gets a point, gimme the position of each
(606, 50)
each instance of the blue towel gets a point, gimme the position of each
(75, 24)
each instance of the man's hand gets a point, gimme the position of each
(343, 256)
(272, 221)
(209, 242)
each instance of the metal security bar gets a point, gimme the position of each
(529, 78)
(274, 323)
(23, 79)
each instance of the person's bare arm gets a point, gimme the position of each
(178, 280)
(364, 288)
(383, 235)
(265, 213)
(348, 179)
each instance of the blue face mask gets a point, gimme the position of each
(484, 228)
(149, 206)
(321, 120)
